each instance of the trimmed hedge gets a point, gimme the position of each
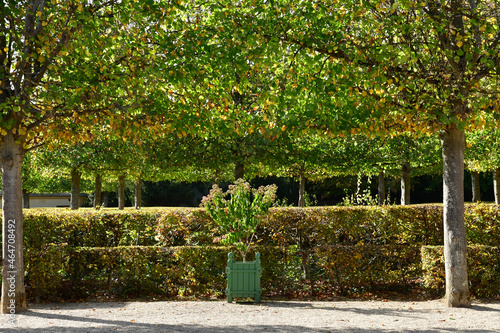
(81, 273)
(483, 268)
(309, 227)
(369, 266)
(170, 252)
(90, 228)
(303, 227)
(483, 224)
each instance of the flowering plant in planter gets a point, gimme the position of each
(238, 211)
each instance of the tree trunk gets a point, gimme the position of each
(476, 190)
(121, 192)
(26, 199)
(98, 191)
(138, 194)
(496, 185)
(239, 170)
(105, 199)
(216, 180)
(405, 184)
(381, 188)
(455, 244)
(76, 177)
(359, 182)
(13, 292)
(302, 191)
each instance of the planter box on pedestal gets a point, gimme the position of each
(243, 278)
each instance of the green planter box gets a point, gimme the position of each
(243, 278)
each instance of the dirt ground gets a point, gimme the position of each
(268, 316)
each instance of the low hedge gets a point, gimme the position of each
(483, 268)
(82, 273)
(369, 267)
(62, 272)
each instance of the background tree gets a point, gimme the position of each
(482, 155)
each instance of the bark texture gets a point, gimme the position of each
(121, 192)
(455, 244)
(359, 183)
(98, 191)
(239, 170)
(496, 185)
(105, 199)
(405, 183)
(476, 189)
(13, 292)
(138, 194)
(381, 188)
(302, 191)
(26, 199)
(76, 177)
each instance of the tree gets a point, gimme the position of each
(482, 155)
(65, 65)
(303, 157)
(76, 177)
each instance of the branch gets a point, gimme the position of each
(63, 40)
(41, 8)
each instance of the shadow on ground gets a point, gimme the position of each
(83, 324)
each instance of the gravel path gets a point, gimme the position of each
(274, 316)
